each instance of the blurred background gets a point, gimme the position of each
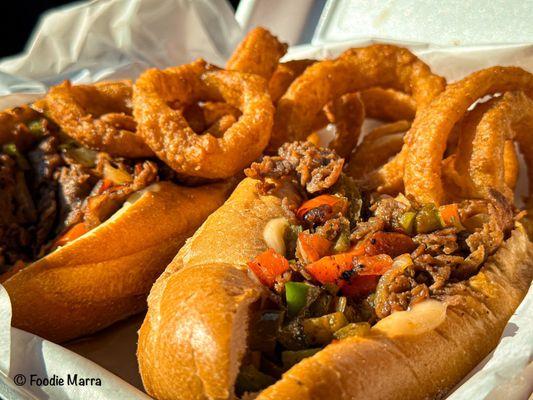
(19, 19)
(451, 23)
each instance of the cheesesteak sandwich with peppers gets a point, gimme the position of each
(302, 286)
(84, 233)
(94, 201)
(388, 273)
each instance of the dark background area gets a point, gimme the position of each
(19, 18)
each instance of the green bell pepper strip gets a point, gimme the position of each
(296, 296)
(353, 329)
(36, 128)
(11, 150)
(407, 221)
(319, 331)
(290, 358)
(427, 219)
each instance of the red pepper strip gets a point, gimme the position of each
(267, 266)
(330, 270)
(358, 249)
(336, 203)
(106, 184)
(312, 247)
(366, 280)
(373, 265)
(73, 233)
(360, 286)
(390, 243)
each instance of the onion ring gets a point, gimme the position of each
(194, 115)
(214, 110)
(470, 149)
(388, 105)
(98, 116)
(220, 126)
(169, 135)
(428, 136)
(347, 113)
(485, 156)
(258, 53)
(511, 164)
(378, 65)
(376, 148)
(382, 104)
(284, 75)
(481, 153)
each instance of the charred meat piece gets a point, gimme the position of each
(314, 168)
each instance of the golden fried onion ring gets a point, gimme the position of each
(170, 136)
(358, 69)
(486, 157)
(284, 75)
(428, 136)
(98, 116)
(388, 104)
(383, 104)
(511, 164)
(347, 113)
(378, 103)
(214, 110)
(375, 150)
(258, 53)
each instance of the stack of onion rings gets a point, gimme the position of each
(383, 104)
(485, 158)
(98, 116)
(170, 136)
(428, 137)
(358, 69)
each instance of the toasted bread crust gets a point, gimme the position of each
(105, 275)
(205, 293)
(201, 289)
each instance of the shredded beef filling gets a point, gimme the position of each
(50, 183)
(313, 168)
(350, 259)
(443, 256)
